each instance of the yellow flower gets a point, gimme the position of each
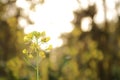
(36, 34)
(42, 54)
(43, 33)
(45, 39)
(30, 56)
(25, 51)
(26, 39)
(30, 36)
(49, 47)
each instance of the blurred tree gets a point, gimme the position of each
(93, 54)
(11, 36)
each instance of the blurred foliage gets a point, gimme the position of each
(91, 55)
(11, 37)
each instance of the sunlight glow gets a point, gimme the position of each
(22, 22)
(53, 17)
(22, 4)
(110, 11)
(84, 4)
(86, 24)
(99, 17)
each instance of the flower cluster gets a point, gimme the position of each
(33, 42)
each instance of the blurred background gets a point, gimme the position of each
(85, 35)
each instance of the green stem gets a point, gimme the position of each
(37, 65)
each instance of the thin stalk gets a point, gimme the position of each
(37, 68)
(37, 63)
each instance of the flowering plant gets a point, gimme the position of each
(34, 50)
